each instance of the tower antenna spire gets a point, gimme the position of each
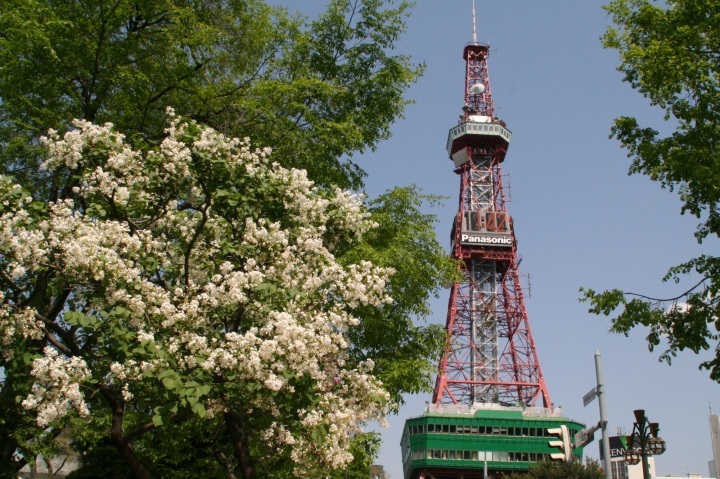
(474, 28)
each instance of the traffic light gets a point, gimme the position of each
(563, 443)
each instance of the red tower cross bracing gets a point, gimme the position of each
(490, 354)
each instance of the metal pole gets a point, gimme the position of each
(645, 464)
(603, 415)
(474, 30)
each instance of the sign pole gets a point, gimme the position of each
(603, 416)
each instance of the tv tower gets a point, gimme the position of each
(490, 354)
(491, 412)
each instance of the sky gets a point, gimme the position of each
(580, 220)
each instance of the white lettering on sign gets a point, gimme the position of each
(617, 452)
(487, 240)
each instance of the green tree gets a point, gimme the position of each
(318, 92)
(562, 470)
(388, 334)
(671, 54)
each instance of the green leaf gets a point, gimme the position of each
(170, 383)
(199, 409)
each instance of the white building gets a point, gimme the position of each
(715, 441)
(620, 468)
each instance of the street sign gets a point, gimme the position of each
(586, 436)
(583, 437)
(589, 396)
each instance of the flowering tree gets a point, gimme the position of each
(318, 90)
(190, 281)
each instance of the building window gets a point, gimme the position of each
(619, 469)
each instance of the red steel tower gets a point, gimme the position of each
(491, 413)
(490, 355)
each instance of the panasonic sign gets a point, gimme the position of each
(486, 239)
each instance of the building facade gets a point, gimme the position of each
(620, 468)
(715, 441)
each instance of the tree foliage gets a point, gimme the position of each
(387, 334)
(562, 470)
(317, 91)
(671, 54)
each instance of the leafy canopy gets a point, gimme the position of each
(671, 55)
(316, 91)
(562, 470)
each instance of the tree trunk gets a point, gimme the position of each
(117, 437)
(9, 466)
(239, 430)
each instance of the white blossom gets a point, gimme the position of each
(58, 386)
(279, 311)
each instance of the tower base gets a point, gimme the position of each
(483, 440)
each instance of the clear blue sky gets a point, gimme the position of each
(580, 219)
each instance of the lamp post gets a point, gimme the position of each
(643, 442)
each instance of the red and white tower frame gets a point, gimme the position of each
(490, 354)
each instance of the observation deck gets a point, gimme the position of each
(476, 127)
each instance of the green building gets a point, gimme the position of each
(490, 441)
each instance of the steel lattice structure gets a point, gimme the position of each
(490, 354)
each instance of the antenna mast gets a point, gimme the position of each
(474, 29)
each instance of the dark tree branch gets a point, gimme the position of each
(239, 430)
(198, 231)
(55, 342)
(117, 437)
(227, 464)
(659, 300)
(10, 283)
(170, 88)
(147, 427)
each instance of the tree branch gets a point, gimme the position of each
(117, 407)
(55, 342)
(191, 245)
(225, 461)
(147, 427)
(11, 284)
(239, 430)
(660, 300)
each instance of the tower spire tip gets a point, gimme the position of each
(474, 27)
